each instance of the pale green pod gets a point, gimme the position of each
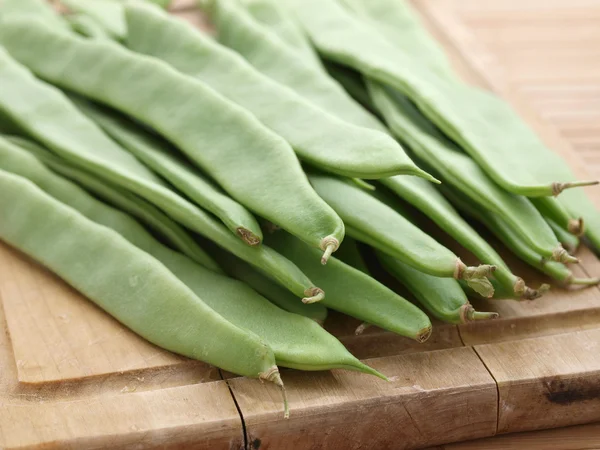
(49, 113)
(248, 162)
(108, 14)
(442, 297)
(125, 281)
(488, 129)
(162, 159)
(296, 341)
(373, 222)
(318, 138)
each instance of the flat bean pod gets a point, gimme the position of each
(266, 287)
(355, 293)
(373, 222)
(400, 25)
(276, 59)
(396, 21)
(460, 171)
(515, 243)
(569, 241)
(160, 157)
(317, 137)
(108, 14)
(48, 112)
(125, 281)
(41, 9)
(86, 26)
(552, 208)
(433, 204)
(442, 297)
(254, 165)
(296, 341)
(176, 236)
(488, 129)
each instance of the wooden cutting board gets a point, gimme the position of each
(70, 376)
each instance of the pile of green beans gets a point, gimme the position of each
(190, 186)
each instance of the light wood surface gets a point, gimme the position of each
(70, 376)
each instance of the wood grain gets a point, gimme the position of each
(433, 397)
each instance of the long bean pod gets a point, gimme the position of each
(355, 293)
(371, 221)
(433, 204)
(488, 129)
(317, 137)
(457, 169)
(552, 208)
(498, 226)
(251, 163)
(108, 14)
(443, 297)
(125, 281)
(48, 112)
(175, 235)
(275, 58)
(160, 157)
(296, 341)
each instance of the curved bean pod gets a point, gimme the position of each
(296, 341)
(107, 14)
(266, 287)
(161, 158)
(443, 297)
(274, 58)
(515, 243)
(86, 26)
(87, 147)
(355, 293)
(569, 241)
(460, 171)
(125, 281)
(344, 38)
(41, 9)
(255, 166)
(15, 162)
(433, 204)
(334, 145)
(373, 222)
(552, 208)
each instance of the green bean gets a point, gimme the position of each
(433, 204)
(108, 14)
(45, 116)
(160, 157)
(144, 211)
(286, 334)
(353, 83)
(334, 145)
(273, 16)
(262, 284)
(86, 26)
(443, 297)
(487, 128)
(373, 222)
(569, 241)
(274, 58)
(125, 281)
(32, 8)
(406, 32)
(355, 293)
(255, 166)
(297, 342)
(460, 171)
(552, 208)
(401, 26)
(515, 243)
